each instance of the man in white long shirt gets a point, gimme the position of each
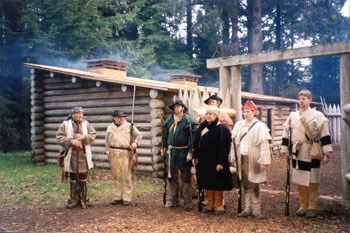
(252, 139)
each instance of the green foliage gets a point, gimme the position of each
(20, 181)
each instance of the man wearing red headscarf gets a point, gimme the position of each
(252, 139)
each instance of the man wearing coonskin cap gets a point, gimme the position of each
(75, 135)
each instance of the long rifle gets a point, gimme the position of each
(164, 162)
(239, 184)
(286, 209)
(133, 151)
(200, 191)
(81, 200)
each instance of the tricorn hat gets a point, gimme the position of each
(178, 102)
(213, 97)
(117, 113)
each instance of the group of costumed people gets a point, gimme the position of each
(207, 144)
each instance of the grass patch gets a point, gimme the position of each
(21, 181)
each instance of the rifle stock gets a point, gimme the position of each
(239, 184)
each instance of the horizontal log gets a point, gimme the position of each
(36, 96)
(158, 166)
(36, 83)
(155, 150)
(100, 157)
(94, 96)
(36, 90)
(143, 126)
(156, 122)
(144, 168)
(50, 161)
(37, 145)
(156, 131)
(36, 102)
(36, 130)
(145, 160)
(139, 109)
(37, 109)
(38, 152)
(57, 79)
(154, 93)
(157, 113)
(113, 103)
(156, 141)
(37, 138)
(157, 158)
(160, 174)
(156, 103)
(39, 158)
(114, 88)
(50, 133)
(37, 123)
(99, 164)
(60, 85)
(36, 116)
(101, 118)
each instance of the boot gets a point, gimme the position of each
(173, 190)
(218, 202)
(210, 202)
(83, 189)
(314, 195)
(256, 202)
(303, 192)
(187, 195)
(73, 202)
(247, 204)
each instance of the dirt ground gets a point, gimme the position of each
(147, 214)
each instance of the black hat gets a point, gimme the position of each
(117, 113)
(178, 102)
(213, 97)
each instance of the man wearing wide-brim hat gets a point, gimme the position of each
(122, 139)
(179, 129)
(224, 118)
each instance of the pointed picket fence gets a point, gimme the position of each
(333, 113)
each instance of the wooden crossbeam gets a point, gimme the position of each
(337, 48)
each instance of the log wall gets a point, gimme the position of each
(54, 97)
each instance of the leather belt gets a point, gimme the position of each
(119, 148)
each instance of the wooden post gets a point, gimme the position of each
(224, 74)
(345, 129)
(236, 91)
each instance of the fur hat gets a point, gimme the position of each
(178, 102)
(76, 110)
(213, 97)
(249, 105)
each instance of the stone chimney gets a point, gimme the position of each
(185, 79)
(107, 67)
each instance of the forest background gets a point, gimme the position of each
(158, 37)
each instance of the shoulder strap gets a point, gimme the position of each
(248, 131)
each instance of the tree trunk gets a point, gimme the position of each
(189, 26)
(255, 45)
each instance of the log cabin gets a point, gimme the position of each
(105, 87)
